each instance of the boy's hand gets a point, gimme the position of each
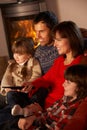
(25, 123)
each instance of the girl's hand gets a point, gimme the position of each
(25, 123)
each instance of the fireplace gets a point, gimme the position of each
(18, 19)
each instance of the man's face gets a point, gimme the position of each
(43, 34)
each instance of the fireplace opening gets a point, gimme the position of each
(18, 21)
(19, 27)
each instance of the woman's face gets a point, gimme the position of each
(21, 58)
(62, 44)
(70, 89)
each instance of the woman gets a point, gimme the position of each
(69, 44)
(57, 116)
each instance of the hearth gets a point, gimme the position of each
(18, 19)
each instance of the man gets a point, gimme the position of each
(46, 53)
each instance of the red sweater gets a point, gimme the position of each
(55, 78)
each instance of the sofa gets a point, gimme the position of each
(79, 120)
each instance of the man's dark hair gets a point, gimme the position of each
(47, 17)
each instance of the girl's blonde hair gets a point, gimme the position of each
(23, 45)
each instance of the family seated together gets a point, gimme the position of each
(45, 88)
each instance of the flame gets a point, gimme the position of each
(23, 28)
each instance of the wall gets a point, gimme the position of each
(74, 10)
(3, 45)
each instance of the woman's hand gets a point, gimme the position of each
(27, 87)
(25, 123)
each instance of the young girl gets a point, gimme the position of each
(24, 67)
(57, 116)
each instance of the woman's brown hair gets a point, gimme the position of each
(70, 30)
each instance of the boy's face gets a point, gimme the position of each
(70, 89)
(43, 33)
(21, 58)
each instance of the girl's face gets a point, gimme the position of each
(21, 58)
(62, 44)
(70, 89)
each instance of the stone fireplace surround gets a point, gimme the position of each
(23, 11)
(14, 11)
